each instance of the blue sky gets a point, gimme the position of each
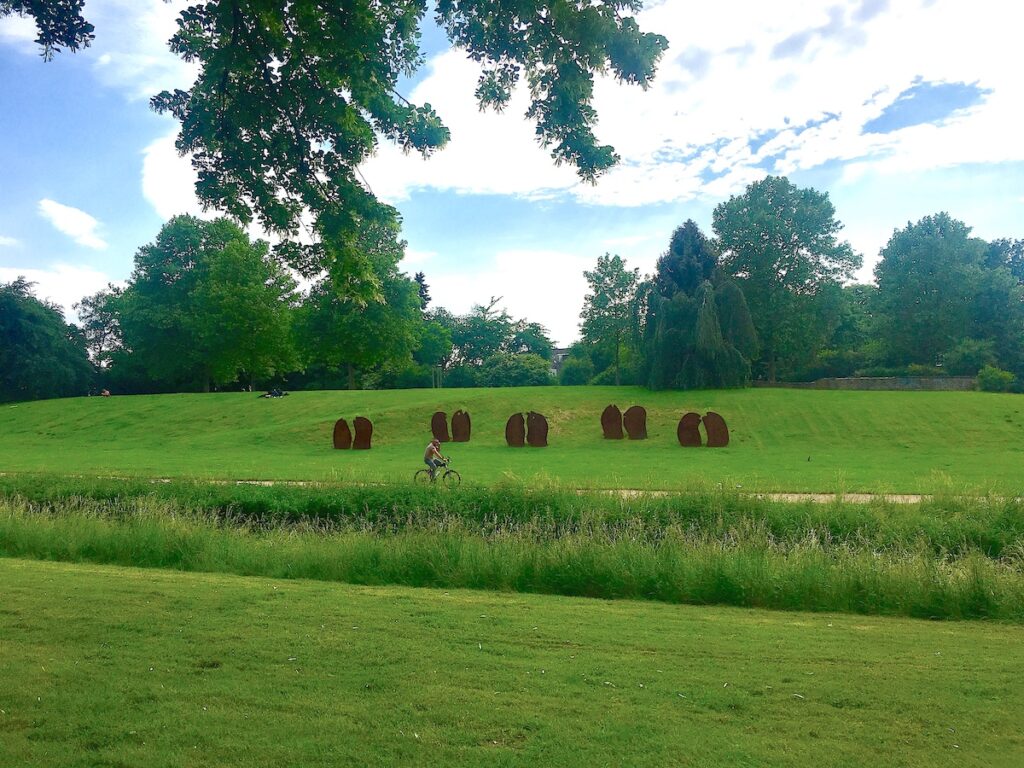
(896, 108)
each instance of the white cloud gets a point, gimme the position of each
(168, 181)
(7, 242)
(168, 184)
(130, 52)
(75, 223)
(62, 284)
(733, 75)
(488, 153)
(19, 32)
(545, 287)
(416, 258)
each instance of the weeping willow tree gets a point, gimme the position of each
(699, 333)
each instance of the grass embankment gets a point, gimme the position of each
(789, 440)
(946, 559)
(112, 666)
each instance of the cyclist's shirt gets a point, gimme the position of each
(431, 452)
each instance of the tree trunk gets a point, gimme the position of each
(771, 368)
(617, 382)
(351, 376)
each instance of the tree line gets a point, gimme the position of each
(766, 296)
(769, 296)
(206, 308)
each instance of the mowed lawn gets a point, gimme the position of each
(789, 440)
(104, 666)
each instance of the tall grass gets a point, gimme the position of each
(948, 524)
(736, 561)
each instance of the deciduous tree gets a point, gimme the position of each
(58, 22)
(608, 307)
(942, 291)
(205, 306)
(98, 321)
(292, 97)
(41, 355)
(780, 243)
(338, 333)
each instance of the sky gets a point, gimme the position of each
(898, 109)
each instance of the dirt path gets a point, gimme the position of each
(817, 498)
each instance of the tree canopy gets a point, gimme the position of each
(292, 97)
(41, 355)
(205, 306)
(781, 244)
(609, 308)
(698, 331)
(59, 23)
(688, 262)
(941, 291)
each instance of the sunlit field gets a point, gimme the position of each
(118, 666)
(784, 440)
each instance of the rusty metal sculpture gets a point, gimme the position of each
(515, 431)
(635, 421)
(688, 431)
(611, 423)
(364, 433)
(718, 433)
(342, 435)
(461, 427)
(536, 430)
(439, 426)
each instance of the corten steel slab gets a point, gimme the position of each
(688, 431)
(718, 433)
(635, 421)
(536, 430)
(364, 433)
(439, 426)
(342, 435)
(515, 431)
(611, 423)
(461, 427)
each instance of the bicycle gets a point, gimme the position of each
(449, 477)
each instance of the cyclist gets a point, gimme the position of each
(432, 457)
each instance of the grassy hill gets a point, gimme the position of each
(118, 666)
(788, 440)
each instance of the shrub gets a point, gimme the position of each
(881, 371)
(992, 379)
(461, 376)
(970, 356)
(525, 370)
(916, 369)
(576, 370)
(410, 377)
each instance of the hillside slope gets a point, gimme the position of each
(781, 439)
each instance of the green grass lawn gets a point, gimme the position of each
(789, 440)
(105, 666)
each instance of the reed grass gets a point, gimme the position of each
(734, 560)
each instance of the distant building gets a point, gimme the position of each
(558, 356)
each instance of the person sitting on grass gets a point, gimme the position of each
(432, 457)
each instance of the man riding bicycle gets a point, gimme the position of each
(432, 457)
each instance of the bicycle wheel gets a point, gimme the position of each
(422, 477)
(451, 479)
